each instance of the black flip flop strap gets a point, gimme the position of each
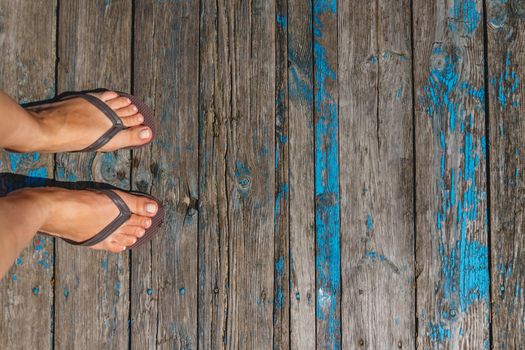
(123, 216)
(108, 112)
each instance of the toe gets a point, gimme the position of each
(132, 231)
(134, 136)
(115, 248)
(118, 103)
(106, 95)
(139, 204)
(134, 120)
(123, 240)
(138, 220)
(127, 111)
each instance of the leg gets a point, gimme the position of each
(69, 125)
(23, 214)
(73, 214)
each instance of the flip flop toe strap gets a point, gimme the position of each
(108, 112)
(123, 216)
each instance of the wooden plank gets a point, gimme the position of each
(251, 175)
(376, 174)
(164, 280)
(506, 59)
(327, 207)
(451, 190)
(27, 73)
(281, 303)
(94, 46)
(301, 176)
(237, 175)
(215, 91)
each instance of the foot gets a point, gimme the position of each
(79, 215)
(74, 124)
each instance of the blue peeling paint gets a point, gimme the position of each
(23, 159)
(369, 223)
(281, 21)
(438, 94)
(105, 264)
(282, 195)
(117, 288)
(38, 245)
(66, 292)
(372, 255)
(182, 291)
(149, 291)
(36, 291)
(508, 84)
(279, 271)
(19, 261)
(438, 333)
(14, 278)
(327, 218)
(465, 13)
(399, 93)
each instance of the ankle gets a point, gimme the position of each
(29, 136)
(36, 202)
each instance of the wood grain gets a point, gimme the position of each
(91, 295)
(327, 196)
(215, 108)
(376, 175)
(451, 190)
(251, 174)
(506, 59)
(164, 279)
(301, 175)
(281, 290)
(27, 73)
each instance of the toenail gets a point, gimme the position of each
(140, 118)
(148, 223)
(141, 233)
(151, 208)
(134, 108)
(144, 133)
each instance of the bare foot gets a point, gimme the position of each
(74, 124)
(80, 214)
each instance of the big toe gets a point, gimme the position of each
(140, 205)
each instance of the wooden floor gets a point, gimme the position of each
(337, 175)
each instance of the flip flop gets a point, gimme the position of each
(123, 216)
(118, 126)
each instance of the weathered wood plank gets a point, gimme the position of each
(27, 73)
(251, 174)
(144, 286)
(452, 253)
(506, 62)
(92, 299)
(215, 93)
(327, 207)
(166, 75)
(376, 174)
(281, 303)
(301, 176)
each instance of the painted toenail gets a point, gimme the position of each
(144, 133)
(151, 208)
